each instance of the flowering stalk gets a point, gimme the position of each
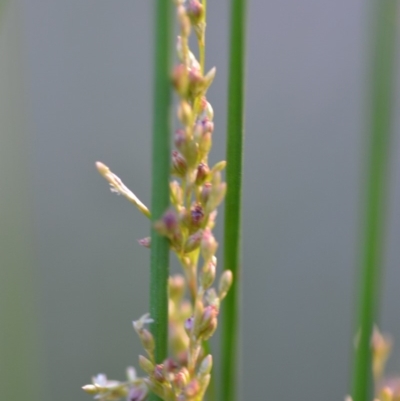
(195, 193)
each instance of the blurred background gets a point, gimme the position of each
(75, 87)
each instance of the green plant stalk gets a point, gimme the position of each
(159, 259)
(381, 106)
(232, 223)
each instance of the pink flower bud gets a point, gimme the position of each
(192, 388)
(197, 215)
(179, 166)
(193, 241)
(202, 173)
(146, 242)
(180, 139)
(159, 373)
(195, 11)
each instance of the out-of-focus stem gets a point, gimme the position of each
(379, 128)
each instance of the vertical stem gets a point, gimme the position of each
(381, 105)
(160, 176)
(232, 227)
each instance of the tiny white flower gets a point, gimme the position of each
(131, 373)
(138, 325)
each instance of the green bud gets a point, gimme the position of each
(208, 274)
(146, 365)
(198, 317)
(185, 113)
(176, 193)
(208, 245)
(219, 166)
(147, 340)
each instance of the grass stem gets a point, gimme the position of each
(160, 177)
(379, 127)
(232, 224)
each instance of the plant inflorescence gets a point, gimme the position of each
(195, 193)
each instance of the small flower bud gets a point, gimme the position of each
(179, 166)
(205, 144)
(208, 274)
(180, 79)
(137, 393)
(159, 373)
(198, 317)
(208, 245)
(193, 241)
(90, 389)
(196, 81)
(209, 314)
(176, 193)
(192, 389)
(185, 113)
(209, 330)
(168, 224)
(147, 340)
(225, 283)
(208, 79)
(209, 111)
(217, 193)
(146, 365)
(205, 193)
(180, 139)
(208, 126)
(170, 365)
(202, 173)
(196, 215)
(206, 365)
(182, 378)
(212, 298)
(176, 287)
(195, 11)
(184, 22)
(189, 325)
(218, 166)
(192, 154)
(146, 242)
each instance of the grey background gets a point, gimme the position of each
(84, 69)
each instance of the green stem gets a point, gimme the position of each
(232, 228)
(381, 106)
(160, 177)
